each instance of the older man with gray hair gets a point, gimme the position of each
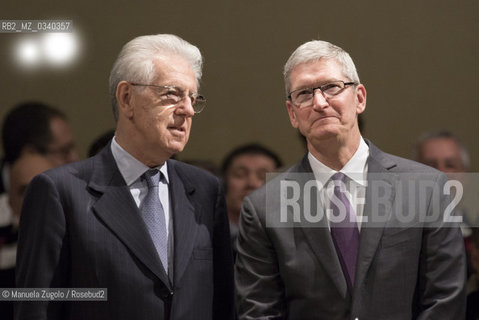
(442, 150)
(344, 234)
(148, 235)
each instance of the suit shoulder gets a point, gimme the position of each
(397, 164)
(192, 173)
(81, 169)
(411, 166)
(273, 182)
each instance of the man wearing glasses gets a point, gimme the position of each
(340, 235)
(148, 234)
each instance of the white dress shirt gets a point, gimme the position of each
(356, 170)
(131, 169)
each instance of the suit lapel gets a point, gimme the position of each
(321, 244)
(117, 209)
(379, 179)
(319, 237)
(184, 218)
(371, 231)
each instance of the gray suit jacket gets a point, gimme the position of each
(408, 266)
(80, 228)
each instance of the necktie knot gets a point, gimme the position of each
(338, 179)
(152, 178)
(338, 176)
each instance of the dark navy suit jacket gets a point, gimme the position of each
(80, 228)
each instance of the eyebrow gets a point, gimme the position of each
(318, 84)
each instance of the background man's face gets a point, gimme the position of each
(329, 118)
(166, 127)
(443, 154)
(246, 173)
(62, 150)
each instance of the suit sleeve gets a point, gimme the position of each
(42, 249)
(223, 301)
(259, 289)
(442, 274)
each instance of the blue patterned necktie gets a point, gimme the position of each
(154, 216)
(345, 232)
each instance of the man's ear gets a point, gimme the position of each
(124, 97)
(292, 114)
(361, 96)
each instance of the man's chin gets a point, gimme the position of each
(176, 147)
(325, 133)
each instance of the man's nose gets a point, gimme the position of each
(319, 101)
(185, 107)
(254, 182)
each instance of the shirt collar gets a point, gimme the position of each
(355, 169)
(130, 168)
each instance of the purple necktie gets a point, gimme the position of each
(344, 232)
(154, 216)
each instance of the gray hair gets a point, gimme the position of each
(135, 62)
(315, 50)
(444, 134)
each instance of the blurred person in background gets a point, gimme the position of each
(244, 170)
(38, 128)
(37, 132)
(442, 150)
(21, 173)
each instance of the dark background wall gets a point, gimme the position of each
(417, 59)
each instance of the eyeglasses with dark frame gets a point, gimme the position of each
(175, 95)
(304, 97)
